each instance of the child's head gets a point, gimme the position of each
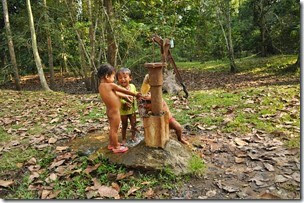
(106, 71)
(124, 76)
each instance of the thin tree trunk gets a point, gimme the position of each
(228, 40)
(231, 51)
(35, 49)
(50, 49)
(84, 68)
(63, 54)
(91, 33)
(112, 46)
(262, 28)
(11, 45)
(81, 41)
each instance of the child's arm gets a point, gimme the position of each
(124, 96)
(123, 90)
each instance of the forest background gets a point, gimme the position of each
(77, 36)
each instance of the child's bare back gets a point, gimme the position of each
(109, 97)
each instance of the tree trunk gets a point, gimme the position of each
(228, 40)
(112, 46)
(231, 51)
(84, 68)
(11, 45)
(63, 54)
(35, 49)
(91, 33)
(298, 60)
(262, 27)
(50, 49)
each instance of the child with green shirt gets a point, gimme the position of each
(128, 106)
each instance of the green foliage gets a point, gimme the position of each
(4, 137)
(251, 64)
(22, 192)
(196, 165)
(192, 24)
(11, 158)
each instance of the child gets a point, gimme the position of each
(173, 124)
(128, 108)
(107, 90)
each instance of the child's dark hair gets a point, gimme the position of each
(104, 70)
(123, 70)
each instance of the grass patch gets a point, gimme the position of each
(9, 159)
(21, 191)
(196, 165)
(266, 108)
(293, 142)
(4, 137)
(252, 64)
(36, 129)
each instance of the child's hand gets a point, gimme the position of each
(146, 97)
(129, 99)
(138, 95)
(128, 105)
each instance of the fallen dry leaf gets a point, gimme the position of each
(55, 120)
(269, 196)
(132, 189)
(55, 164)
(89, 169)
(19, 165)
(52, 140)
(280, 179)
(40, 147)
(296, 176)
(53, 176)
(269, 167)
(240, 142)
(34, 187)
(90, 194)
(32, 161)
(33, 176)
(61, 148)
(105, 191)
(239, 160)
(115, 186)
(121, 176)
(149, 193)
(45, 193)
(146, 183)
(53, 194)
(6, 183)
(96, 184)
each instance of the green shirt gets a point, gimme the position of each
(124, 109)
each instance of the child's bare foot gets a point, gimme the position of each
(123, 142)
(110, 147)
(183, 141)
(120, 149)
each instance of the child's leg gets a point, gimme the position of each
(133, 125)
(173, 124)
(114, 121)
(124, 122)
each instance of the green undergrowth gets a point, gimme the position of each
(75, 186)
(253, 64)
(273, 109)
